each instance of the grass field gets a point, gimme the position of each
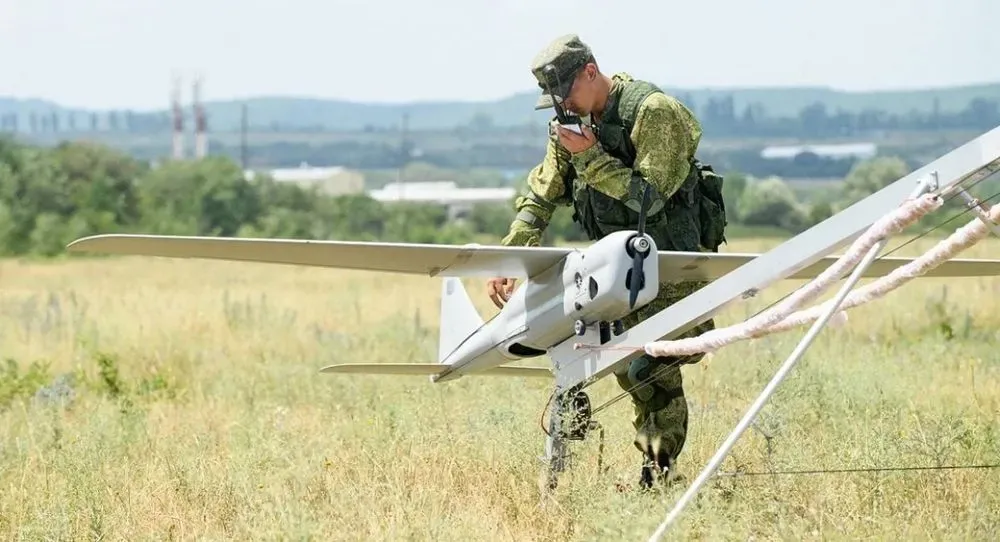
(181, 400)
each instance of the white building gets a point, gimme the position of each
(447, 193)
(833, 150)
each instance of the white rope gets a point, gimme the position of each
(957, 242)
(908, 213)
(782, 318)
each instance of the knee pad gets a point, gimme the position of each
(638, 371)
(654, 393)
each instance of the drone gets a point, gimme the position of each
(581, 294)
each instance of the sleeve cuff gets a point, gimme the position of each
(583, 158)
(522, 238)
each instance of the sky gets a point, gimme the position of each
(125, 53)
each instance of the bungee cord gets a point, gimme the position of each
(916, 237)
(780, 316)
(842, 314)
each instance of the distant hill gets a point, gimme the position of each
(290, 113)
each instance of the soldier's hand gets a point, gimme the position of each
(574, 142)
(500, 288)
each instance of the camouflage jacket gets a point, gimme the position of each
(665, 137)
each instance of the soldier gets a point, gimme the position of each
(632, 134)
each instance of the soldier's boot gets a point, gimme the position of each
(657, 465)
(653, 472)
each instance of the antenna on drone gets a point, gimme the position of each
(200, 137)
(178, 122)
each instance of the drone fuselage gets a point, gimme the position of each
(588, 288)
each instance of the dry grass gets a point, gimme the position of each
(195, 410)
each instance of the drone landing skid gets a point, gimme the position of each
(570, 411)
(570, 419)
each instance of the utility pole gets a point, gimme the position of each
(243, 136)
(200, 137)
(404, 157)
(178, 121)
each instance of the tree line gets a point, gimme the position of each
(520, 154)
(817, 121)
(50, 196)
(724, 115)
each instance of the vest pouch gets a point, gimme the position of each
(713, 225)
(678, 230)
(711, 208)
(609, 214)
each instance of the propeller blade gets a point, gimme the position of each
(637, 276)
(633, 291)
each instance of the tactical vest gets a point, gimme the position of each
(692, 218)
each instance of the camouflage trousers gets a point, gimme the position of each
(656, 386)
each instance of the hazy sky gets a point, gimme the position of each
(123, 53)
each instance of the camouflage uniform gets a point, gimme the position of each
(643, 134)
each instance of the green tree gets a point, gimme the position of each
(51, 196)
(733, 185)
(869, 176)
(100, 183)
(771, 202)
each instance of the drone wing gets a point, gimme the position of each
(412, 258)
(680, 266)
(458, 260)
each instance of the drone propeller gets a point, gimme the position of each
(640, 246)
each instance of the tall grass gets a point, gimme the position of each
(168, 399)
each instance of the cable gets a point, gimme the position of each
(859, 469)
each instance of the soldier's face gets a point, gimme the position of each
(584, 93)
